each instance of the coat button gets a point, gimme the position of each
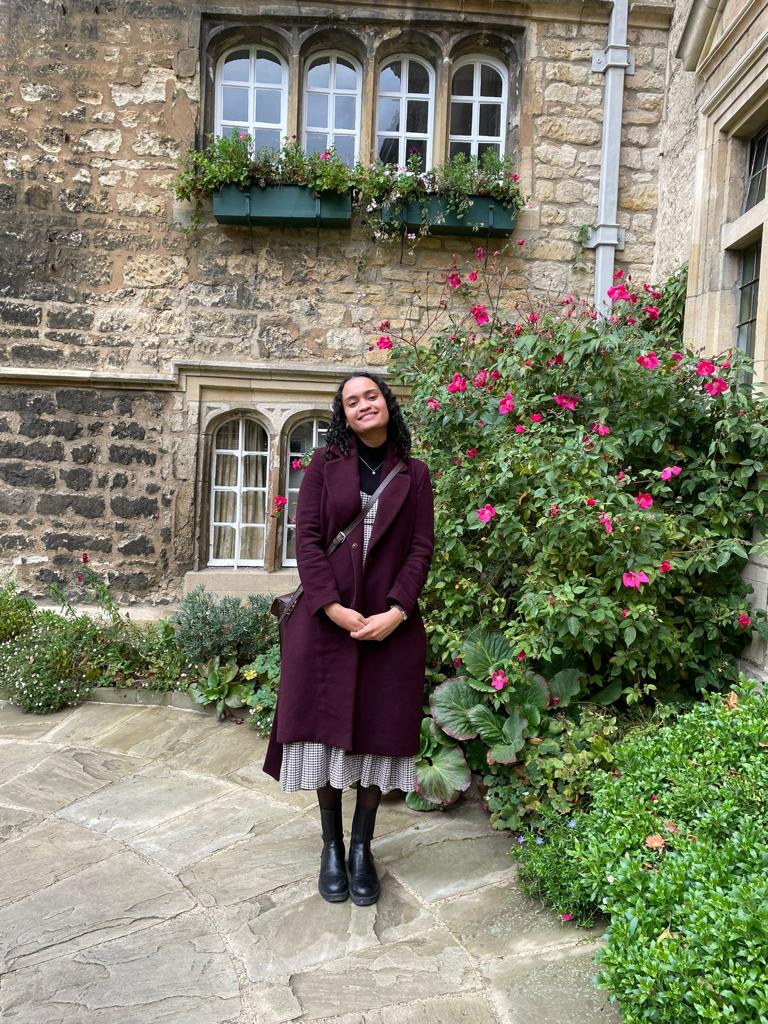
(354, 545)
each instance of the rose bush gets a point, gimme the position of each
(596, 490)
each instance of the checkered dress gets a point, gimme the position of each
(308, 765)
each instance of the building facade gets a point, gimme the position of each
(156, 383)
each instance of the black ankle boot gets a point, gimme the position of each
(333, 883)
(363, 880)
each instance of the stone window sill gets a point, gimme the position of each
(222, 581)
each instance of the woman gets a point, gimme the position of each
(352, 672)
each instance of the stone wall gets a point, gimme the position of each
(86, 470)
(98, 277)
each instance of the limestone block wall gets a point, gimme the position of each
(90, 470)
(99, 278)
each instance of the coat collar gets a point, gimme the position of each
(343, 480)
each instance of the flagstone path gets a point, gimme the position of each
(152, 874)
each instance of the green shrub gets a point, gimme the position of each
(144, 657)
(52, 664)
(264, 674)
(674, 847)
(16, 613)
(225, 629)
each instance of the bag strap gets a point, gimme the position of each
(342, 535)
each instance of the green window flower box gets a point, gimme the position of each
(486, 216)
(282, 206)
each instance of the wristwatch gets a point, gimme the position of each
(403, 613)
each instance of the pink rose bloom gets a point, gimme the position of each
(649, 361)
(295, 463)
(453, 280)
(621, 475)
(486, 513)
(566, 917)
(607, 522)
(618, 293)
(631, 320)
(744, 620)
(507, 404)
(566, 401)
(601, 429)
(279, 501)
(495, 375)
(457, 384)
(705, 368)
(480, 379)
(716, 386)
(480, 252)
(652, 312)
(624, 612)
(472, 276)
(533, 318)
(433, 404)
(591, 501)
(458, 661)
(480, 313)
(644, 500)
(499, 679)
(554, 509)
(665, 567)
(517, 330)
(519, 428)
(384, 341)
(618, 274)
(325, 156)
(535, 417)
(520, 241)
(567, 301)
(634, 579)
(677, 356)
(726, 364)
(471, 453)
(521, 656)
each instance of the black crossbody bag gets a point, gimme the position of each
(282, 607)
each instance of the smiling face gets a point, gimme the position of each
(366, 410)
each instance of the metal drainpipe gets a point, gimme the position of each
(614, 62)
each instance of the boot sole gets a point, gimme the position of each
(334, 897)
(364, 901)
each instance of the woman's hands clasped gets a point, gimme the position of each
(361, 627)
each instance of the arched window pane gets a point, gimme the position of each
(268, 68)
(389, 79)
(258, 104)
(302, 440)
(404, 111)
(239, 493)
(319, 76)
(237, 67)
(418, 78)
(332, 106)
(490, 81)
(477, 122)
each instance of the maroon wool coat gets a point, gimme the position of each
(365, 696)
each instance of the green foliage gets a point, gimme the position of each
(225, 629)
(50, 665)
(673, 847)
(671, 303)
(442, 770)
(264, 674)
(217, 685)
(562, 486)
(17, 613)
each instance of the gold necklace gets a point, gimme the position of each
(374, 471)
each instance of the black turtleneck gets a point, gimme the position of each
(375, 458)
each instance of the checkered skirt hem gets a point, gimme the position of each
(309, 765)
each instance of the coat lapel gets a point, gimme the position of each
(343, 485)
(391, 500)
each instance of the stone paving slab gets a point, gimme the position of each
(153, 874)
(177, 972)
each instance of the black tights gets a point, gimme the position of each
(367, 797)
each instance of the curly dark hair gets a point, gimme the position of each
(397, 431)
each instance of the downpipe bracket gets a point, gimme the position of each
(606, 234)
(614, 56)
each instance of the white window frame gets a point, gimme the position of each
(404, 95)
(332, 91)
(251, 85)
(238, 489)
(475, 139)
(317, 430)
